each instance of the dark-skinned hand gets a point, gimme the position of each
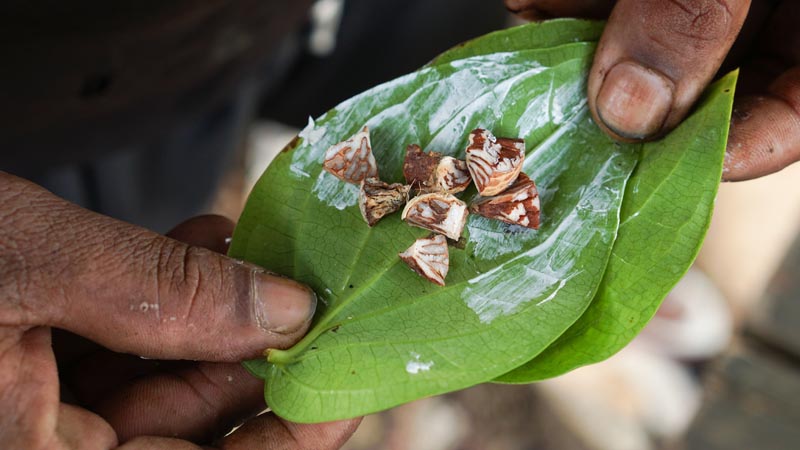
(656, 56)
(134, 292)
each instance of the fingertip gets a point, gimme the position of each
(77, 426)
(633, 101)
(283, 306)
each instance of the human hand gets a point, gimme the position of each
(655, 58)
(137, 293)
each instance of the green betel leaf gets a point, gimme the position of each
(383, 335)
(665, 215)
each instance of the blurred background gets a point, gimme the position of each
(178, 107)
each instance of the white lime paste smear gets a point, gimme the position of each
(415, 365)
(507, 287)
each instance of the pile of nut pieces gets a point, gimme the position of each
(495, 164)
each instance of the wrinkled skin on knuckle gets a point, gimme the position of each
(185, 276)
(705, 22)
(49, 251)
(174, 282)
(682, 29)
(198, 289)
(23, 252)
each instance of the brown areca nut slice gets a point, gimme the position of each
(438, 212)
(377, 199)
(518, 205)
(352, 160)
(429, 257)
(432, 172)
(419, 167)
(494, 163)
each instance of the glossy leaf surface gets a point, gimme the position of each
(665, 215)
(385, 336)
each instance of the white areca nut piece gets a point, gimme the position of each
(352, 160)
(452, 175)
(438, 212)
(518, 205)
(429, 257)
(377, 199)
(494, 163)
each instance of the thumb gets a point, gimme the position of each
(655, 58)
(135, 291)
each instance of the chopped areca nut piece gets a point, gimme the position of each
(419, 167)
(432, 172)
(437, 212)
(429, 257)
(377, 199)
(452, 175)
(494, 163)
(352, 160)
(518, 205)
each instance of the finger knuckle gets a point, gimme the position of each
(189, 280)
(193, 280)
(703, 22)
(208, 391)
(177, 279)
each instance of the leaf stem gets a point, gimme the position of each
(281, 357)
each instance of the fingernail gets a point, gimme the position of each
(282, 305)
(634, 101)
